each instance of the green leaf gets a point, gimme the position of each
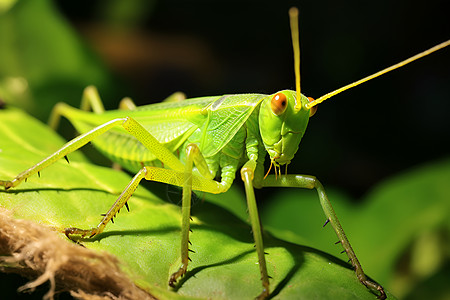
(146, 240)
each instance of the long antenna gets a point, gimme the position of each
(293, 18)
(398, 65)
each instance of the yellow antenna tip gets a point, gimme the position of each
(293, 12)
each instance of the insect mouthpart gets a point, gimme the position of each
(282, 160)
(277, 157)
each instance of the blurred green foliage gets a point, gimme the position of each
(43, 60)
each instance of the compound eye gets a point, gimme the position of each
(313, 109)
(278, 103)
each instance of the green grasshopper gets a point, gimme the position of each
(199, 144)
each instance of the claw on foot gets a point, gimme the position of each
(375, 287)
(174, 277)
(81, 232)
(382, 295)
(7, 184)
(263, 295)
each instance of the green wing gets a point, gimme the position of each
(172, 123)
(166, 121)
(225, 117)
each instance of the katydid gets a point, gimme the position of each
(199, 144)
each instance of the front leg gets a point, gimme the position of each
(247, 174)
(311, 182)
